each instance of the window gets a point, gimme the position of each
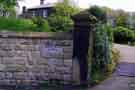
(44, 13)
(33, 13)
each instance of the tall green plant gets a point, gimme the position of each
(99, 13)
(102, 52)
(8, 5)
(60, 19)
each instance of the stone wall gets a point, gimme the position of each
(34, 58)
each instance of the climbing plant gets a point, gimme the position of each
(102, 57)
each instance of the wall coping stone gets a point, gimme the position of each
(34, 35)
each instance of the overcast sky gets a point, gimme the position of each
(128, 5)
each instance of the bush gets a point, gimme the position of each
(115, 59)
(60, 18)
(15, 24)
(123, 35)
(60, 23)
(41, 24)
(99, 13)
(99, 76)
(102, 58)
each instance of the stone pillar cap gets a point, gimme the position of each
(84, 16)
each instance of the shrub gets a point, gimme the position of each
(99, 76)
(41, 24)
(115, 59)
(15, 24)
(60, 18)
(102, 58)
(99, 13)
(60, 23)
(123, 35)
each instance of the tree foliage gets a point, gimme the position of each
(65, 9)
(123, 35)
(121, 18)
(40, 24)
(60, 19)
(8, 5)
(60, 23)
(99, 13)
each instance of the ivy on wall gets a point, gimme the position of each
(102, 56)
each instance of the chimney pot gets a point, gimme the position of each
(24, 9)
(41, 2)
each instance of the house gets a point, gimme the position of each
(42, 10)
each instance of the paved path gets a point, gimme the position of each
(116, 82)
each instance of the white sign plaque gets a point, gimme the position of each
(51, 51)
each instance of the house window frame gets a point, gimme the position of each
(45, 13)
(33, 13)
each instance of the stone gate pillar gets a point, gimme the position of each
(83, 44)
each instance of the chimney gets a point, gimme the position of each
(24, 9)
(41, 2)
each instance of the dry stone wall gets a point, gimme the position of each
(34, 58)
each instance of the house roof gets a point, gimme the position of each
(43, 6)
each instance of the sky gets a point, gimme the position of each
(127, 5)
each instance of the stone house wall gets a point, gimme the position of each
(33, 58)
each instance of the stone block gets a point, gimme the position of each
(68, 62)
(2, 75)
(2, 67)
(25, 41)
(15, 68)
(42, 68)
(36, 47)
(20, 61)
(10, 54)
(20, 53)
(67, 77)
(36, 41)
(68, 49)
(3, 41)
(9, 75)
(55, 62)
(30, 47)
(20, 47)
(4, 47)
(67, 70)
(8, 60)
(44, 76)
(19, 75)
(68, 55)
(35, 54)
(48, 43)
(42, 61)
(3, 53)
(63, 43)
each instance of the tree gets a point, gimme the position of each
(60, 19)
(121, 18)
(65, 9)
(60, 23)
(99, 13)
(41, 24)
(8, 5)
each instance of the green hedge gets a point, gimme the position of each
(22, 25)
(60, 23)
(123, 35)
(16, 24)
